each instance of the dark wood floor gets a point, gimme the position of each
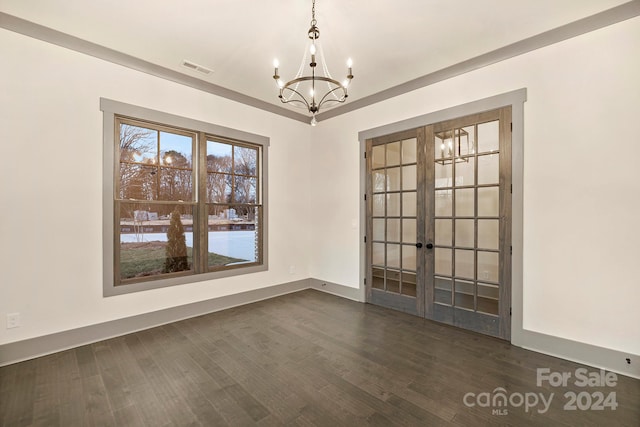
(302, 359)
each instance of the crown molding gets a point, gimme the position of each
(40, 32)
(591, 23)
(600, 20)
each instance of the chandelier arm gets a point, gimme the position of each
(295, 102)
(341, 99)
(293, 92)
(302, 99)
(289, 87)
(307, 78)
(337, 101)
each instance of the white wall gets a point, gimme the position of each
(51, 184)
(581, 181)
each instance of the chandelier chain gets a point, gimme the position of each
(313, 13)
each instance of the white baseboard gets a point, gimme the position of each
(587, 354)
(347, 292)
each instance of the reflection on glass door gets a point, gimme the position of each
(393, 222)
(469, 251)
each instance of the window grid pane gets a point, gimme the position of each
(155, 239)
(156, 204)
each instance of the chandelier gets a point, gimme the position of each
(454, 145)
(313, 91)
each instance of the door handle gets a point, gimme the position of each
(419, 245)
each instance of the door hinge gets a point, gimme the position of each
(511, 126)
(365, 239)
(365, 197)
(511, 250)
(365, 280)
(510, 310)
(511, 188)
(365, 154)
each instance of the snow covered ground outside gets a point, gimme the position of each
(235, 244)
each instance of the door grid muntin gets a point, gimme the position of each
(394, 216)
(458, 280)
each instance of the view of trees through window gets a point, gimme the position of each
(179, 213)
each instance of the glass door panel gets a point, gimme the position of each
(438, 222)
(394, 223)
(466, 225)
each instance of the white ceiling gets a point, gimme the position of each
(390, 42)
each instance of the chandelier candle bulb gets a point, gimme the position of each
(276, 77)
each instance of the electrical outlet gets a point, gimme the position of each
(13, 320)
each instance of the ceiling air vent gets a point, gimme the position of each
(196, 67)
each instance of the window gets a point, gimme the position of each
(186, 200)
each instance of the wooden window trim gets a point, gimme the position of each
(114, 111)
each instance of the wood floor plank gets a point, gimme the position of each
(46, 406)
(128, 416)
(86, 361)
(69, 388)
(118, 392)
(303, 359)
(267, 385)
(21, 395)
(197, 386)
(175, 363)
(149, 357)
(97, 410)
(7, 381)
(213, 381)
(151, 410)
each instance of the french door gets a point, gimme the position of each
(439, 222)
